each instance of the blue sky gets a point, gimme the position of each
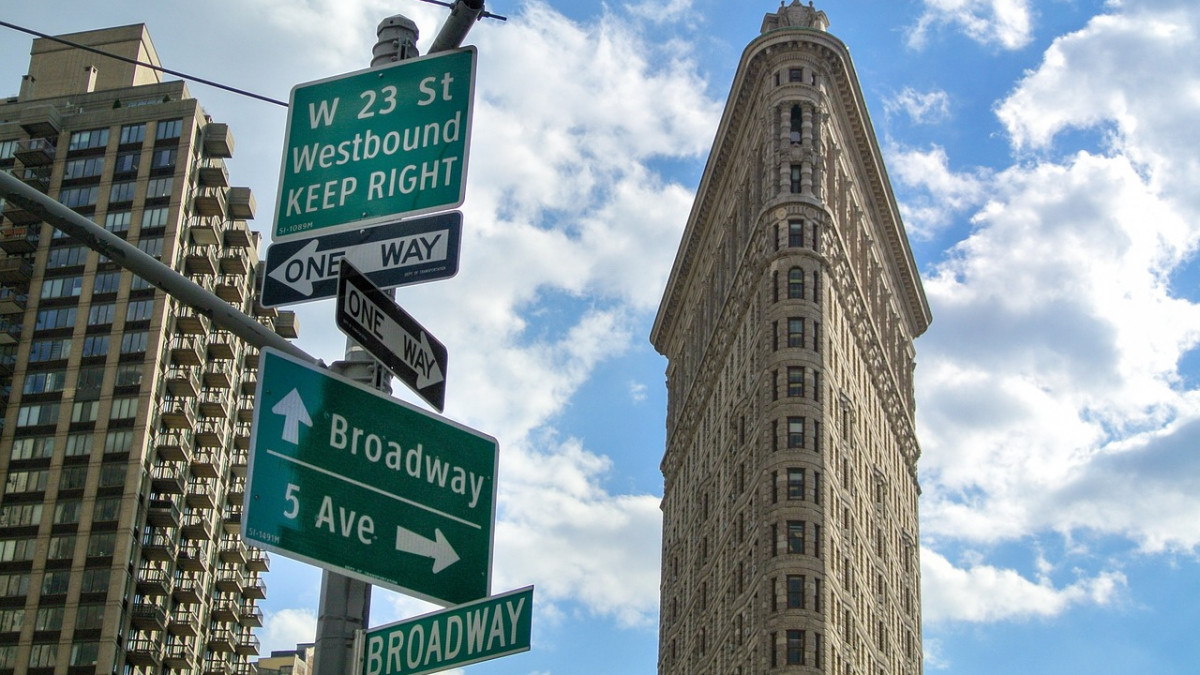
(1044, 158)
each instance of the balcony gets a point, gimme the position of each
(142, 651)
(213, 407)
(238, 459)
(216, 665)
(10, 331)
(230, 580)
(287, 325)
(37, 178)
(229, 289)
(236, 262)
(167, 479)
(179, 416)
(15, 271)
(241, 203)
(203, 232)
(12, 302)
(153, 581)
(205, 464)
(226, 610)
(188, 590)
(232, 521)
(245, 668)
(255, 589)
(191, 322)
(237, 492)
(159, 545)
(174, 446)
(183, 381)
(8, 362)
(221, 346)
(41, 121)
(178, 655)
(218, 375)
(148, 616)
(35, 151)
(197, 526)
(163, 513)
(220, 640)
(200, 494)
(214, 175)
(20, 239)
(245, 412)
(233, 550)
(252, 615)
(218, 140)
(187, 352)
(191, 558)
(238, 235)
(257, 560)
(200, 261)
(210, 204)
(247, 644)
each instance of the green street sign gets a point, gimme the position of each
(376, 144)
(346, 478)
(458, 636)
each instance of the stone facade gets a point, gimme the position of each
(790, 527)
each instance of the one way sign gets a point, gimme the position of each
(387, 332)
(396, 254)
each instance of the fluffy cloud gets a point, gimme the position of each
(936, 194)
(1007, 24)
(927, 107)
(1051, 399)
(287, 628)
(982, 593)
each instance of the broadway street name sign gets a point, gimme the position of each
(373, 319)
(390, 255)
(450, 638)
(376, 144)
(346, 478)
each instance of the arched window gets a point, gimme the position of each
(795, 284)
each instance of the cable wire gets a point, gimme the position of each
(126, 59)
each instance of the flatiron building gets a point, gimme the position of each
(790, 532)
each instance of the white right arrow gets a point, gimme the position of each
(294, 414)
(441, 551)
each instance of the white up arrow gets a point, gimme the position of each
(294, 414)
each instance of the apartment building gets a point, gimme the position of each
(127, 414)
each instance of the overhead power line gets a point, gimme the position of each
(126, 59)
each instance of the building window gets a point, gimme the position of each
(37, 414)
(92, 138)
(797, 123)
(795, 332)
(95, 581)
(795, 75)
(66, 256)
(795, 591)
(12, 585)
(795, 432)
(67, 511)
(127, 163)
(56, 583)
(155, 217)
(84, 411)
(122, 192)
(168, 129)
(134, 343)
(151, 246)
(11, 620)
(17, 549)
(62, 287)
(106, 282)
(33, 447)
(795, 284)
(163, 159)
(119, 441)
(139, 310)
(795, 648)
(795, 179)
(85, 653)
(133, 133)
(49, 350)
(43, 655)
(45, 382)
(795, 234)
(817, 596)
(78, 197)
(62, 547)
(795, 381)
(102, 314)
(73, 477)
(795, 536)
(86, 167)
(123, 408)
(157, 188)
(102, 545)
(816, 332)
(817, 487)
(816, 285)
(795, 484)
(129, 375)
(117, 222)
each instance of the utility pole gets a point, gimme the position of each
(345, 604)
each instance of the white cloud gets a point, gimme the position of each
(1050, 395)
(935, 194)
(286, 628)
(983, 593)
(928, 107)
(1007, 24)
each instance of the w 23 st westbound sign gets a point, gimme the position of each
(351, 480)
(376, 144)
